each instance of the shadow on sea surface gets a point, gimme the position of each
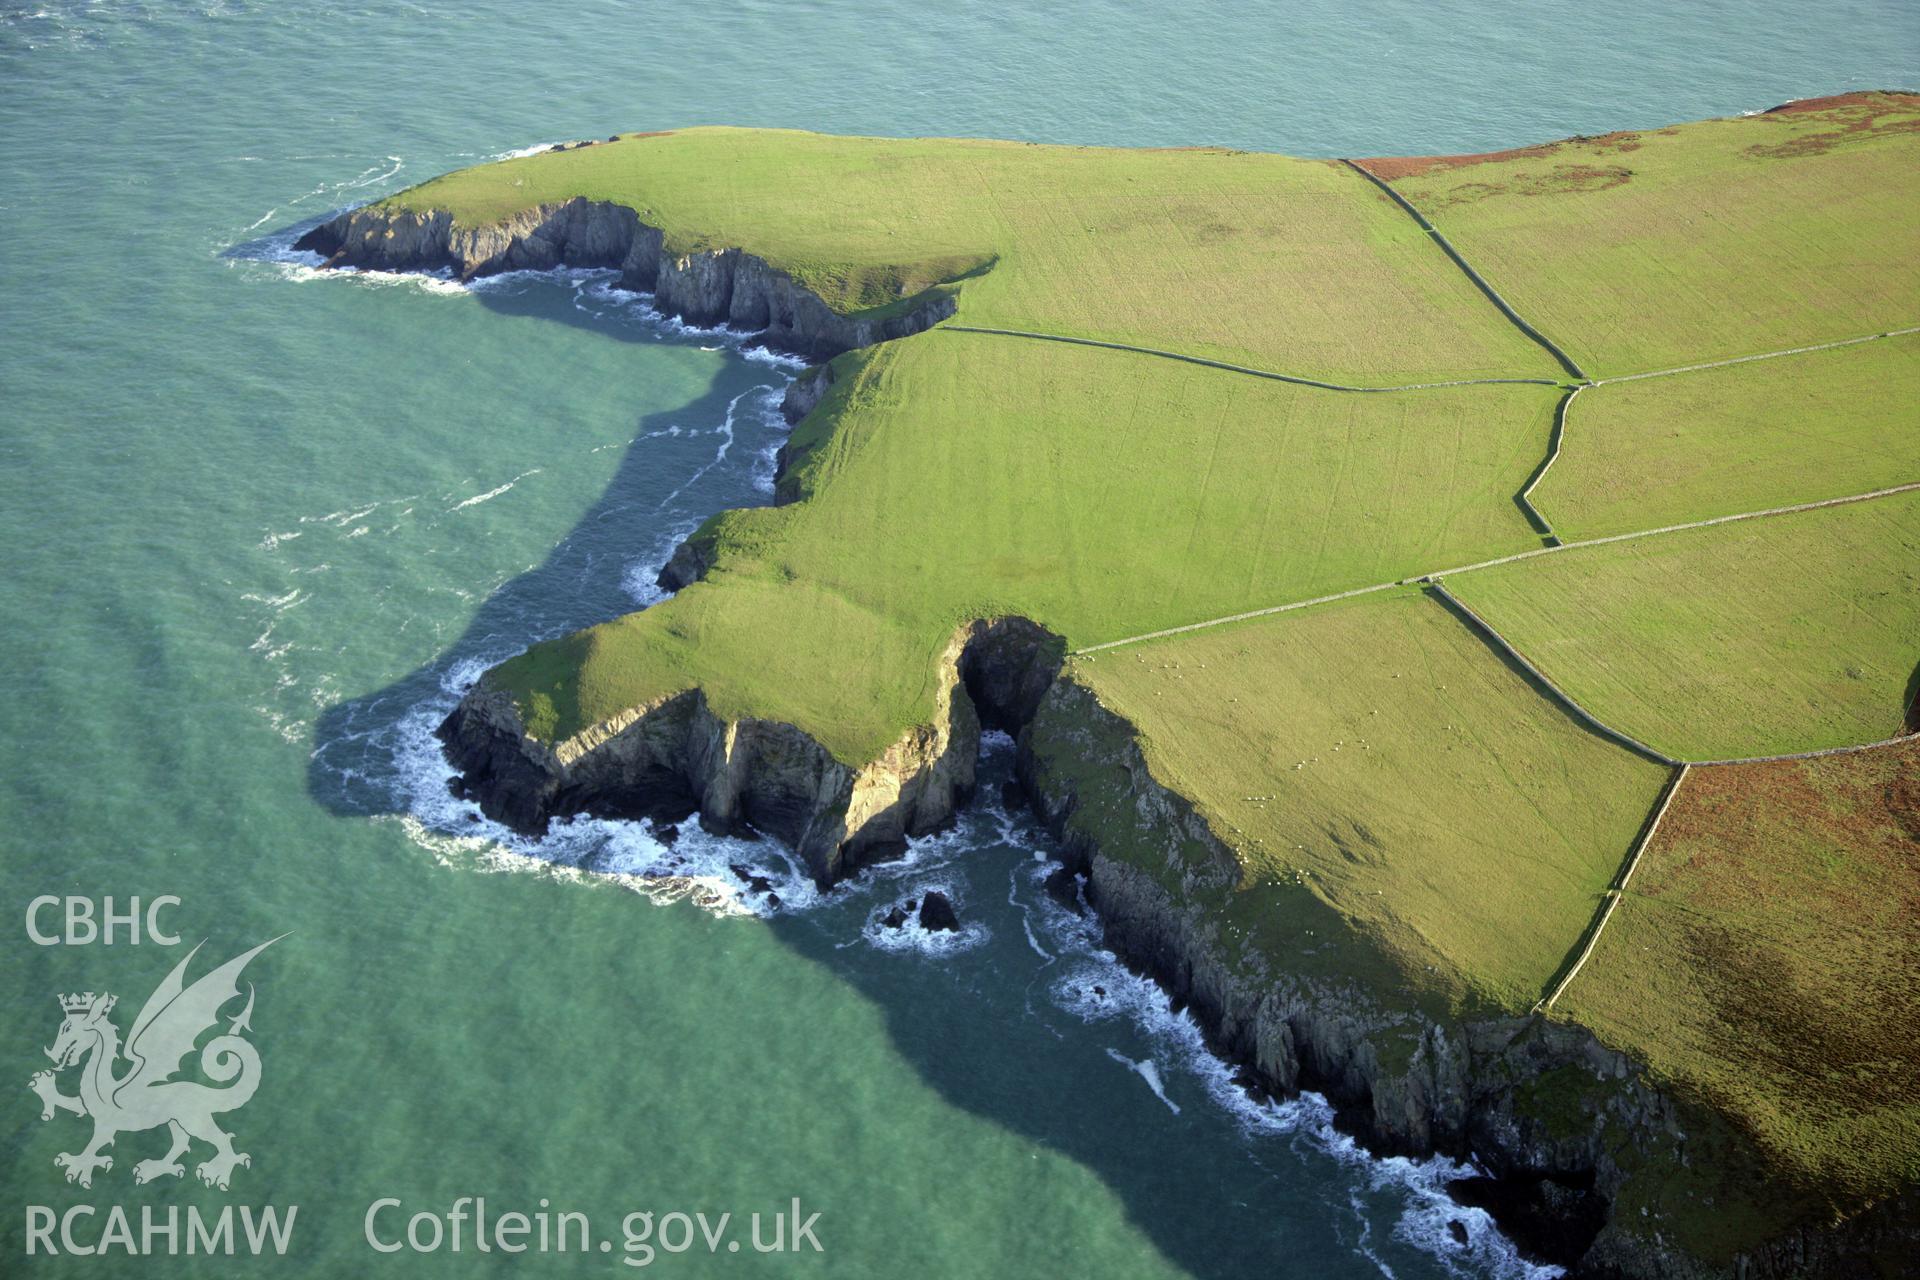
(578, 584)
(1017, 1077)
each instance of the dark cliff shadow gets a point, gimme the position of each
(1019, 1078)
(1205, 1203)
(1911, 721)
(580, 583)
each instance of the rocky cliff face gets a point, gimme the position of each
(1554, 1123)
(708, 287)
(675, 756)
(1404, 1082)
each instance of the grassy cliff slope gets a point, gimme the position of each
(1766, 954)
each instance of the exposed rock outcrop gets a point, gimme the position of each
(937, 914)
(703, 287)
(688, 563)
(805, 393)
(675, 756)
(670, 758)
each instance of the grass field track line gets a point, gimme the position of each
(1436, 575)
(1580, 713)
(1611, 899)
(1493, 295)
(1238, 617)
(1765, 355)
(1205, 362)
(1554, 441)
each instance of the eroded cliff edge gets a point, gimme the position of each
(706, 287)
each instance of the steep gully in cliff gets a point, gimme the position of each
(1456, 1093)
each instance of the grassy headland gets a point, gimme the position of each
(953, 476)
(1283, 264)
(1409, 812)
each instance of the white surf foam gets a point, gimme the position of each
(641, 577)
(494, 492)
(1096, 987)
(911, 935)
(695, 866)
(1146, 1070)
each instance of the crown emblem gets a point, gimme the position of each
(83, 1001)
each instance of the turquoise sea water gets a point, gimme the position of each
(258, 526)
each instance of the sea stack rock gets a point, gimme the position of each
(937, 914)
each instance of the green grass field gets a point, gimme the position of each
(1726, 238)
(1748, 437)
(1290, 265)
(1104, 494)
(1790, 633)
(1377, 753)
(1410, 814)
(1765, 958)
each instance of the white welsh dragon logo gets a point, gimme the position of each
(145, 1097)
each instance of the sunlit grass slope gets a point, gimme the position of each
(1376, 753)
(1284, 264)
(1746, 437)
(1765, 955)
(1661, 248)
(952, 476)
(1791, 633)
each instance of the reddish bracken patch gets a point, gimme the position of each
(1393, 168)
(1851, 114)
(1849, 801)
(1865, 97)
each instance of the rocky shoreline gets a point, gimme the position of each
(1403, 1082)
(707, 287)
